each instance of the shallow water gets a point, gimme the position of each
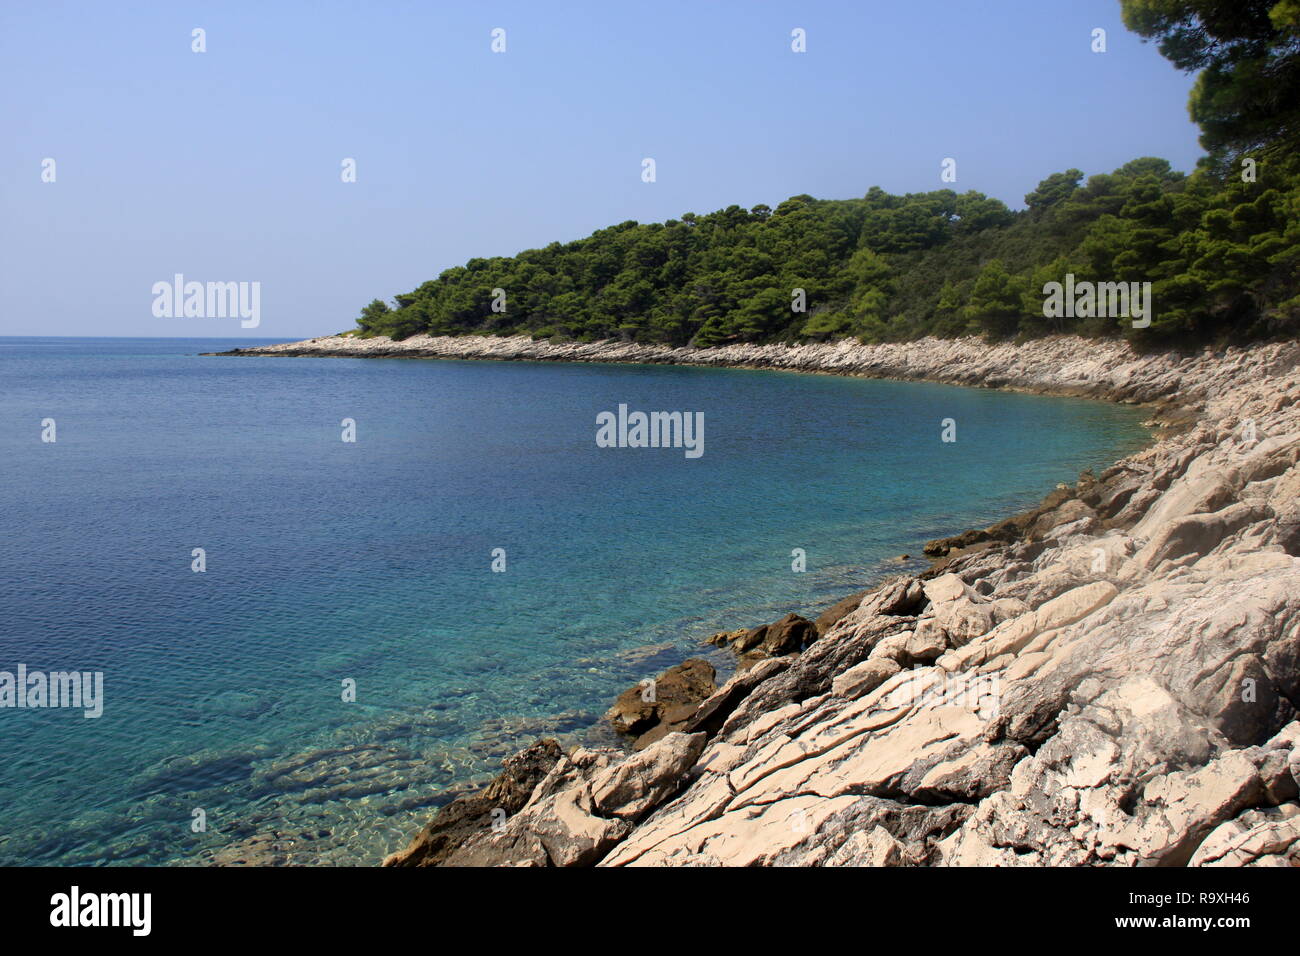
(370, 561)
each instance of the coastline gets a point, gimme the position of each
(1062, 365)
(1140, 633)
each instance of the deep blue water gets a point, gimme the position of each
(370, 561)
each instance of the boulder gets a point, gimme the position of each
(631, 788)
(789, 635)
(664, 704)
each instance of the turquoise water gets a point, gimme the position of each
(370, 561)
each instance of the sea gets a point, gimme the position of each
(325, 596)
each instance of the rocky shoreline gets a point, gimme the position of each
(1056, 365)
(1110, 679)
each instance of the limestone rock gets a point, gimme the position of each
(630, 788)
(864, 677)
(1266, 837)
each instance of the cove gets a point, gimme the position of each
(372, 562)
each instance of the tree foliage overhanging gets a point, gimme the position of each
(1220, 249)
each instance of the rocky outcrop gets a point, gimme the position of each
(1116, 682)
(1062, 364)
(583, 807)
(466, 817)
(659, 706)
(789, 635)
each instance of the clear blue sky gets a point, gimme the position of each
(225, 165)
